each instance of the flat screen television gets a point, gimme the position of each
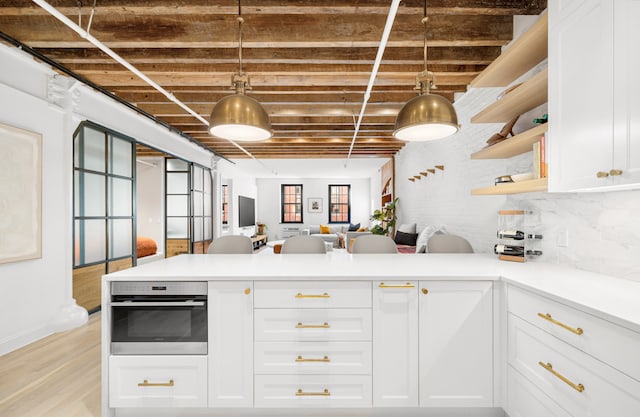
(246, 211)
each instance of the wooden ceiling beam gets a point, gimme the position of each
(347, 55)
(287, 109)
(280, 31)
(230, 7)
(125, 78)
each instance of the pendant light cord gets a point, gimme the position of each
(424, 22)
(240, 21)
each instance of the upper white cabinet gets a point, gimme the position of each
(456, 344)
(594, 128)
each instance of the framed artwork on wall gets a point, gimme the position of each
(20, 194)
(315, 205)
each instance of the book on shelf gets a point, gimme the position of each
(540, 165)
(536, 160)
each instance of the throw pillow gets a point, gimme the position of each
(362, 229)
(407, 228)
(354, 227)
(408, 239)
(325, 230)
(426, 233)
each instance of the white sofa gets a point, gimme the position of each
(337, 232)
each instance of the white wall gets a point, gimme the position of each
(37, 295)
(150, 199)
(268, 204)
(240, 183)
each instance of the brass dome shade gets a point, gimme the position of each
(426, 117)
(240, 118)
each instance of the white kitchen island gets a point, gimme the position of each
(356, 335)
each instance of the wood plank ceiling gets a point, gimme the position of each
(309, 60)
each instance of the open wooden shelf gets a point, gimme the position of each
(539, 184)
(530, 94)
(515, 145)
(522, 55)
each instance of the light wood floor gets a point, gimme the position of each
(58, 376)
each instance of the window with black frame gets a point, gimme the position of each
(340, 203)
(225, 204)
(291, 203)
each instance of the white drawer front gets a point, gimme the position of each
(605, 391)
(312, 325)
(613, 344)
(525, 400)
(317, 294)
(158, 381)
(336, 358)
(325, 391)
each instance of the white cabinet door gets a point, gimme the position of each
(626, 156)
(395, 344)
(594, 129)
(456, 344)
(230, 306)
(581, 105)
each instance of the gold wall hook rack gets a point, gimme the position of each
(412, 179)
(431, 170)
(418, 177)
(440, 167)
(424, 173)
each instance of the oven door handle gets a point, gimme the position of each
(157, 303)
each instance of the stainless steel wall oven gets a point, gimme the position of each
(159, 318)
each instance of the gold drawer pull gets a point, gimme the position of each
(300, 295)
(407, 285)
(615, 172)
(602, 174)
(548, 317)
(548, 367)
(146, 383)
(312, 326)
(301, 359)
(301, 393)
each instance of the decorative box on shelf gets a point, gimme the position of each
(518, 236)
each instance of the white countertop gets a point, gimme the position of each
(614, 299)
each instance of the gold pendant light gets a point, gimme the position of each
(239, 117)
(428, 116)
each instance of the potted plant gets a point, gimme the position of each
(262, 228)
(385, 219)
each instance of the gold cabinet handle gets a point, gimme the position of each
(146, 383)
(300, 295)
(301, 359)
(602, 174)
(324, 393)
(548, 367)
(247, 291)
(615, 172)
(407, 285)
(425, 291)
(313, 326)
(576, 330)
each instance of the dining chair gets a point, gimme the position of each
(445, 243)
(303, 244)
(232, 244)
(374, 244)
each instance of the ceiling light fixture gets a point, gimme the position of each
(428, 116)
(239, 117)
